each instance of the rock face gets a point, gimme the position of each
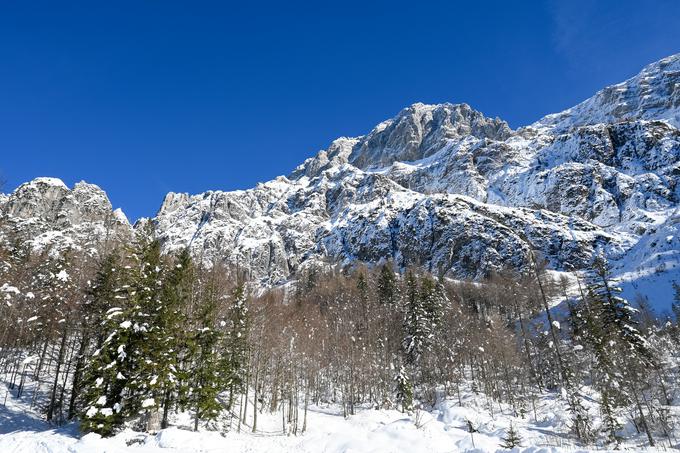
(438, 186)
(444, 187)
(47, 214)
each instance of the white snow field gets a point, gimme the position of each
(444, 429)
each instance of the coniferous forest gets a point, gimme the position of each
(127, 336)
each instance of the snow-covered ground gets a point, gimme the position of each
(444, 429)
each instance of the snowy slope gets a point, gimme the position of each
(440, 430)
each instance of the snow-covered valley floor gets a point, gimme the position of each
(444, 429)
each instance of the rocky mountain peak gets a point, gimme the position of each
(653, 94)
(37, 198)
(48, 213)
(418, 131)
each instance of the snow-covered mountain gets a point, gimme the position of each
(47, 214)
(444, 187)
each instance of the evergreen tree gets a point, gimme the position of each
(512, 438)
(99, 296)
(207, 376)
(676, 303)
(404, 390)
(234, 361)
(150, 374)
(434, 302)
(417, 325)
(105, 383)
(386, 287)
(122, 374)
(621, 351)
(169, 331)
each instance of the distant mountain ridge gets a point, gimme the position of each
(439, 186)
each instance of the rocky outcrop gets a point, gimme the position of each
(444, 187)
(49, 215)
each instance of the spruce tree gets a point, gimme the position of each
(106, 377)
(386, 287)
(512, 438)
(109, 368)
(123, 380)
(233, 364)
(99, 296)
(169, 334)
(404, 390)
(623, 354)
(207, 377)
(675, 306)
(210, 369)
(150, 374)
(417, 326)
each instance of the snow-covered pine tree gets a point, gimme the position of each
(404, 390)
(417, 322)
(108, 369)
(168, 332)
(434, 302)
(206, 378)
(125, 366)
(151, 373)
(512, 438)
(387, 324)
(100, 295)
(233, 365)
(622, 352)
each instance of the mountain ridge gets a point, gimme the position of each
(445, 187)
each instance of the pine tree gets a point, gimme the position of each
(404, 390)
(150, 374)
(210, 366)
(386, 287)
(434, 302)
(417, 325)
(207, 377)
(234, 361)
(168, 331)
(105, 383)
(676, 303)
(122, 379)
(512, 438)
(101, 295)
(622, 352)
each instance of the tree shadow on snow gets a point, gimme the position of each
(11, 421)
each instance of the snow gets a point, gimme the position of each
(48, 181)
(120, 216)
(444, 429)
(9, 289)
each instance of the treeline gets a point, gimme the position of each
(131, 336)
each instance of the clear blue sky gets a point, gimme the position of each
(145, 97)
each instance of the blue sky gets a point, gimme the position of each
(146, 97)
